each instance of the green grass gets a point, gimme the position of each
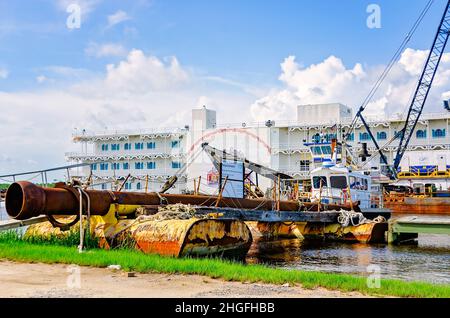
(5, 186)
(69, 238)
(15, 248)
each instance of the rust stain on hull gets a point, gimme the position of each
(412, 205)
(193, 237)
(365, 233)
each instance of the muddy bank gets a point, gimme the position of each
(61, 281)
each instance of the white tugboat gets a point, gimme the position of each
(332, 182)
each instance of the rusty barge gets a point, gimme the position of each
(199, 224)
(207, 225)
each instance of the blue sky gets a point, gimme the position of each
(147, 63)
(241, 40)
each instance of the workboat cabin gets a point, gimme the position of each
(335, 183)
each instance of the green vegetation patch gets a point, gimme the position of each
(15, 248)
(5, 186)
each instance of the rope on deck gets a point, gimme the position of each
(346, 218)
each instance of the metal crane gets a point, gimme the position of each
(217, 156)
(420, 95)
(424, 85)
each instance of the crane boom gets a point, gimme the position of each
(424, 85)
(217, 156)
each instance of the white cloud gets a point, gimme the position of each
(331, 81)
(140, 73)
(105, 50)
(142, 91)
(41, 79)
(4, 73)
(118, 17)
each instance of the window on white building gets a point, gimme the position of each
(139, 165)
(175, 144)
(151, 165)
(304, 165)
(316, 138)
(364, 136)
(381, 135)
(438, 133)
(351, 137)
(176, 165)
(115, 147)
(151, 145)
(421, 134)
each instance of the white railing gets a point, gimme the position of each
(290, 146)
(127, 132)
(82, 133)
(293, 171)
(113, 154)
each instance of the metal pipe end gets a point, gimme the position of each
(24, 200)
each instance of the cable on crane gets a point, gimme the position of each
(389, 67)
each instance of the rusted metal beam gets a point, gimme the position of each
(269, 215)
(25, 200)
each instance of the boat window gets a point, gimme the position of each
(365, 184)
(338, 182)
(316, 182)
(359, 183)
(326, 150)
(355, 183)
(316, 150)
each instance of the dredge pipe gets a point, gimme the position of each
(25, 200)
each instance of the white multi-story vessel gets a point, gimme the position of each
(157, 155)
(149, 157)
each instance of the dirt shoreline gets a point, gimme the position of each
(36, 280)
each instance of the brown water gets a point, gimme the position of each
(428, 261)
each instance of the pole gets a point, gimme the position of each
(198, 185)
(221, 191)
(123, 184)
(350, 197)
(320, 196)
(146, 183)
(279, 194)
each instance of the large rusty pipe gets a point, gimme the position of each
(25, 200)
